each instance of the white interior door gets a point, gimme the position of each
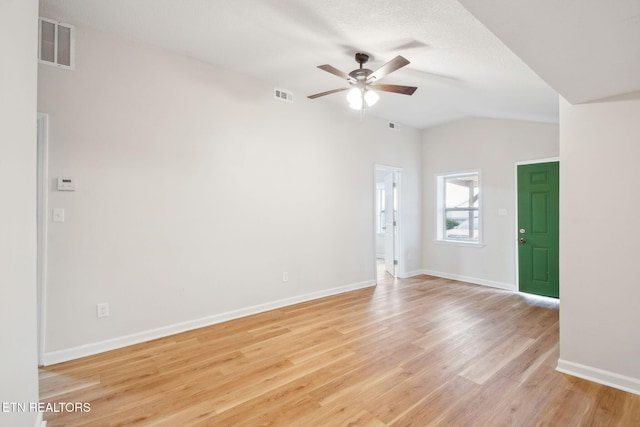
(42, 208)
(389, 223)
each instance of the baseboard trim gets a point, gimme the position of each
(468, 279)
(59, 356)
(408, 274)
(600, 376)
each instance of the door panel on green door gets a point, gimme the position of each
(538, 225)
(540, 264)
(539, 212)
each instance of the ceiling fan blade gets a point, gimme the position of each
(391, 66)
(404, 90)
(329, 92)
(333, 70)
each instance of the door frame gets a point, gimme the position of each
(515, 219)
(398, 251)
(42, 221)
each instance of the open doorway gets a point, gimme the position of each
(387, 221)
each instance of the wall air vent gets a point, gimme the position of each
(393, 126)
(283, 95)
(56, 43)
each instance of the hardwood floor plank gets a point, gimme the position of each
(436, 406)
(530, 402)
(265, 412)
(496, 358)
(471, 410)
(60, 384)
(260, 385)
(286, 398)
(427, 374)
(422, 351)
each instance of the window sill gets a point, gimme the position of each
(457, 243)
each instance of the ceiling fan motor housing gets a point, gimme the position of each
(361, 58)
(361, 74)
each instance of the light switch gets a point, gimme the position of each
(502, 212)
(58, 214)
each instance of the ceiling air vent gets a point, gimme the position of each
(393, 126)
(56, 43)
(283, 95)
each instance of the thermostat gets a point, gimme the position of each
(66, 184)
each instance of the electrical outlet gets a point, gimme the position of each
(102, 309)
(285, 276)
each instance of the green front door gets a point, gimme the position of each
(538, 217)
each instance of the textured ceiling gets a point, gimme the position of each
(460, 68)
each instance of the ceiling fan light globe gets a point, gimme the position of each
(354, 96)
(371, 97)
(356, 105)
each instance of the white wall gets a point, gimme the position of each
(493, 146)
(18, 348)
(197, 190)
(599, 252)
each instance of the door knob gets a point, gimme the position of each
(522, 240)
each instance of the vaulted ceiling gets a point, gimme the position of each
(587, 50)
(460, 67)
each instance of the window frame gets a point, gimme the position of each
(441, 209)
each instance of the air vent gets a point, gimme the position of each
(283, 95)
(393, 126)
(56, 43)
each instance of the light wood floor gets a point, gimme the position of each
(416, 352)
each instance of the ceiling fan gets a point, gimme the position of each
(363, 82)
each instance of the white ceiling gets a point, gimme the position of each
(460, 68)
(586, 49)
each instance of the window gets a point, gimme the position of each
(459, 207)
